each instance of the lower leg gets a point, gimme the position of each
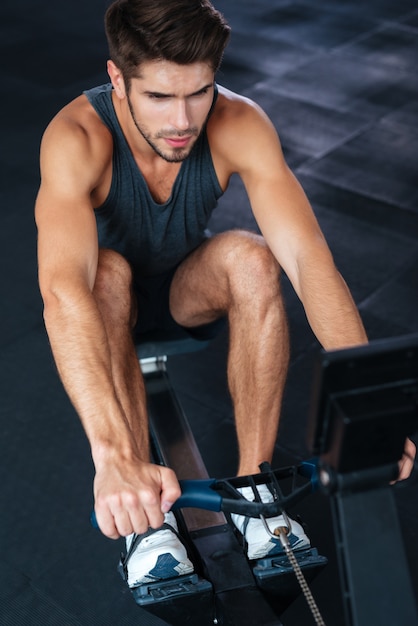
(257, 369)
(235, 274)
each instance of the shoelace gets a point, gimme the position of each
(136, 540)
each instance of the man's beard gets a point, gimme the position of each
(178, 154)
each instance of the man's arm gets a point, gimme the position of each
(250, 147)
(297, 242)
(128, 490)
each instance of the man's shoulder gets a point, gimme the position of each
(235, 114)
(231, 104)
(76, 147)
(78, 114)
(237, 128)
(77, 123)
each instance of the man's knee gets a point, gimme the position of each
(113, 285)
(113, 272)
(252, 268)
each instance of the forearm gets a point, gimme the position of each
(81, 352)
(130, 493)
(330, 309)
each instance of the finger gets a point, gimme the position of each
(106, 522)
(405, 467)
(139, 521)
(152, 508)
(123, 523)
(170, 489)
(410, 449)
(406, 464)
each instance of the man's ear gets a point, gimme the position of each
(116, 79)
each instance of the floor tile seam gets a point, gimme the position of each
(331, 184)
(382, 228)
(411, 14)
(347, 139)
(308, 53)
(366, 126)
(305, 152)
(379, 23)
(374, 317)
(327, 10)
(407, 237)
(403, 27)
(399, 73)
(300, 170)
(378, 120)
(309, 47)
(286, 97)
(343, 50)
(348, 10)
(309, 161)
(263, 83)
(389, 123)
(267, 84)
(364, 302)
(400, 209)
(379, 28)
(320, 49)
(380, 64)
(312, 51)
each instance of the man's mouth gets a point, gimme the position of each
(178, 142)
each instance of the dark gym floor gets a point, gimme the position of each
(339, 81)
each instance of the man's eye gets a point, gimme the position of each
(202, 93)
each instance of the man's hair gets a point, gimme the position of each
(181, 31)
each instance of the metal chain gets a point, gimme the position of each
(281, 532)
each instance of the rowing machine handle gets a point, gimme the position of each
(198, 494)
(194, 493)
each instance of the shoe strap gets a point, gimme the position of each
(136, 540)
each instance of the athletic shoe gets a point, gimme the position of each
(259, 543)
(155, 555)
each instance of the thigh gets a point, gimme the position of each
(201, 288)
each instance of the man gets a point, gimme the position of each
(130, 175)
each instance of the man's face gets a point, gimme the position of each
(169, 105)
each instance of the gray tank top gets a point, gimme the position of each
(153, 237)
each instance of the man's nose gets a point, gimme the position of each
(180, 115)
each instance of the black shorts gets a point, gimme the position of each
(153, 300)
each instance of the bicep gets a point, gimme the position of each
(251, 147)
(67, 233)
(279, 204)
(67, 241)
(286, 219)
